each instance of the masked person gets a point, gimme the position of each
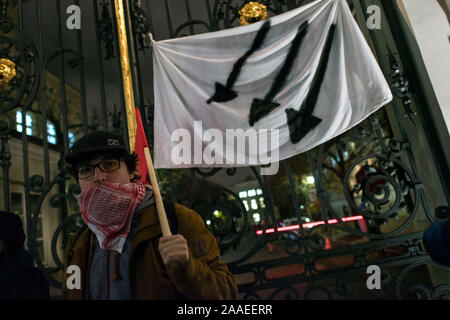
(122, 254)
(19, 279)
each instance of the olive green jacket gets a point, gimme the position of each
(205, 276)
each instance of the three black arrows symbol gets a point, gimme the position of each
(301, 122)
(224, 93)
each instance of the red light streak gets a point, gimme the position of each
(288, 228)
(309, 225)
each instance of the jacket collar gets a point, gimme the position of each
(149, 219)
(148, 228)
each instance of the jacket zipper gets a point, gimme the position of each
(107, 275)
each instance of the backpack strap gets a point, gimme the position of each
(169, 206)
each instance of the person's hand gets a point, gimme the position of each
(174, 250)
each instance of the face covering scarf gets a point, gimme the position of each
(107, 210)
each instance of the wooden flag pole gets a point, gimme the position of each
(158, 199)
(131, 115)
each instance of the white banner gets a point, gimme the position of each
(264, 92)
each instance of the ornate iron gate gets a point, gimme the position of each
(358, 200)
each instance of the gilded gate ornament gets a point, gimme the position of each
(253, 12)
(7, 71)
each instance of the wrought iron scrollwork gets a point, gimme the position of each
(69, 226)
(384, 185)
(22, 88)
(420, 291)
(225, 215)
(297, 245)
(400, 87)
(441, 292)
(312, 277)
(6, 24)
(72, 62)
(36, 183)
(140, 24)
(294, 244)
(106, 31)
(116, 117)
(222, 11)
(73, 190)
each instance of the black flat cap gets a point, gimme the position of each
(96, 142)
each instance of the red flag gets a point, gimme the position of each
(140, 144)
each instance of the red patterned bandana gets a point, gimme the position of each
(107, 209)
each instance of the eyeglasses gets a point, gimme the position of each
(85, 171)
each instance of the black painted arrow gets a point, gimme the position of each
(302, 122)
(261, 108)
(224, 93)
